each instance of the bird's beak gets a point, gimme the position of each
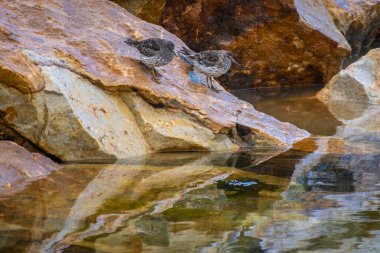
(234, 61)
(175, 54)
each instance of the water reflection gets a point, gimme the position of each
(321, 196)
(297, 106)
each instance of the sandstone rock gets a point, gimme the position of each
(19, 167)
(166, 130)
(358, 21)
(8, 134)
(359, 83)
(148, 10)
(292, 42)
(69, 84)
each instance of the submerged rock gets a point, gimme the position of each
(359, 83)
(19, 167)
(290, 42)
(70, 85)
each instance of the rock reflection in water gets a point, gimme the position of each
(321, 196)
(297, 106)
(333, 200)
(72, 207)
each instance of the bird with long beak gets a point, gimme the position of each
(212, 63)
(154, 52)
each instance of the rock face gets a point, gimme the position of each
(148, 10)
(358, 21)
(292, 42)
(358, 83)
(69, 84)
(19, 167)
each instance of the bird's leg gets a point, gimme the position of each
(212, 86)
(156, 76)
(156, 73)
(208, 85)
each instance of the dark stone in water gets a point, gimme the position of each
(323, 179)
(243, 185)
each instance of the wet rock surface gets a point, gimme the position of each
(66, 73)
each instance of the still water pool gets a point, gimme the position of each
(321, 196)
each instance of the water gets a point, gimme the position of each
(321, 196)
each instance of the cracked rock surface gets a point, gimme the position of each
(70, 85)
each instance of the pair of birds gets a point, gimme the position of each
(156, 52)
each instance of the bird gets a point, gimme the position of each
(154, 52)
(212, 63)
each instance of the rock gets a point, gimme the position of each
(70, 85)
(170, 130)
(148, 10)
(358, 21)
(292, 42)
(18, 167)
(359, 83)
(8, 134)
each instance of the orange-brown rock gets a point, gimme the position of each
(90, 98)
(19, 167)
(291, 42)
(359, 21)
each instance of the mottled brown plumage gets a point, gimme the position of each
(154, 52)
(212, 63)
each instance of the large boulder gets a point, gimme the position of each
(358, 21)
(359, 83)
(291, 42)
(69, 84)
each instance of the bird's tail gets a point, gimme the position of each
(187, 55)
(186, 52)
(130, 42)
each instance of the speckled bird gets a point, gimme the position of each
(212, 63)
(154, 52)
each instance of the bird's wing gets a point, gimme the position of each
(149, 47)
(207, 58)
